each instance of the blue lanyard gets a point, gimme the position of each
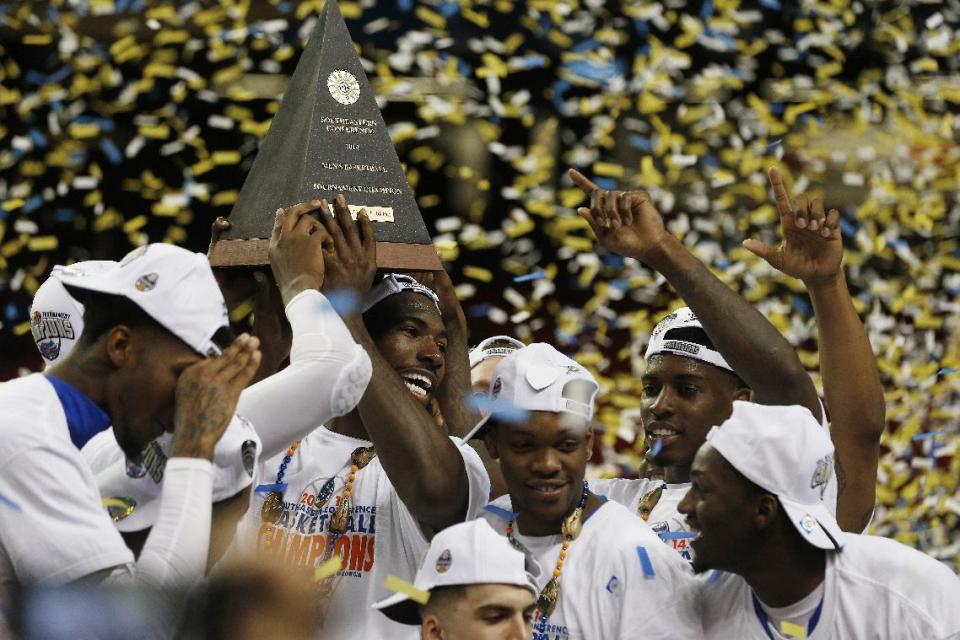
(765, 621)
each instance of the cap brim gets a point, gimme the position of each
(400, 608)
(478, 430)
(815, 523)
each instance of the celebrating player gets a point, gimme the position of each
(605, 574)
(153, 357)
(373, 484)
(812, 250)
(757, 502)
(699, 360)
(485, 357)
(477, 584)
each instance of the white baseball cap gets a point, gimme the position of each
(538, 378)
(493, 347)
(131, 489)
(681, 334)
(462, 555)
(173, 286)
(393, 283)
(56, 317)
(784, 450)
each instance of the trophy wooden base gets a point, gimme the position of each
(390, 255)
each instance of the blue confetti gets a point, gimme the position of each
(38, 138)
(773, 5)
(605, 183)
(656, 448)
(405, 5)
(345, 301)
(775, 143)
(267, 488)
(527, 277)
(10, 503)
(706, 10)
(641, 142)
(504, 411)
(34, 203)
(677, 535)
(110, 150)
(927, 434)
(715, 576)
(478, 310)
(648, 571)
(947, 371)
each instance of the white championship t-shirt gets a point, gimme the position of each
(874, 589)
(664, 520)
(53, 527)
(382, 537)
(618, 582)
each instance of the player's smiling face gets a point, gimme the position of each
(682, 399)
(543, 462)
(722, 509)
(411, 337)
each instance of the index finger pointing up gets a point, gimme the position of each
(780, 193)
(582, 181)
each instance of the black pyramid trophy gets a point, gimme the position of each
(328, 137)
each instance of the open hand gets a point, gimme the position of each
(296, 249)
(811, 249)
(625, 222)
(351, 255)
(207, 394)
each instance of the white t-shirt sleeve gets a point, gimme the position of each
(327, 376)
(59, 531)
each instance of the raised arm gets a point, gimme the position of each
(456, 388)
(627, 223)
(328, 370)
(812, 250)
(423, 464)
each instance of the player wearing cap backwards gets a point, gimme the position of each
(144, 365)
(323, 356)
(604, 573)
(782, 566)
(485, 357)
(697, 365)
(370, 486)
(477, 588)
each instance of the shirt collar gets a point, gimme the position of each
(84, 418)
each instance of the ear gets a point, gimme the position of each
(119, 346)
(743, 393)
(589, 441)
(490, 439)
(768, 508)
(430, 628)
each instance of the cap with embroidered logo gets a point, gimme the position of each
(465, 554)
(493, 347)
(681, 334)
(56, 317)
(540, 378)
(784, 450)
(173, 286)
